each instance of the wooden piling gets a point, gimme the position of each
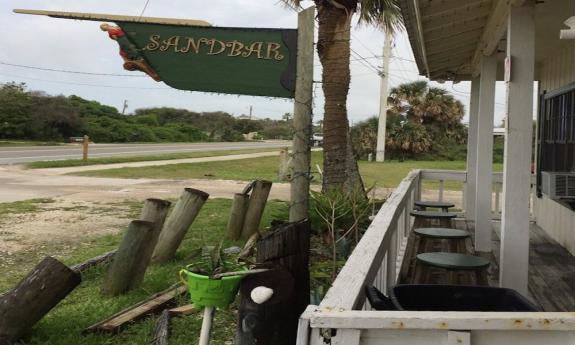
(40, 291)
(237, 215)
(257, 204)
(178, 223)
(123, 274)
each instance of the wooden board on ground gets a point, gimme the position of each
(184, 310)
(95, 261)
(151, 305)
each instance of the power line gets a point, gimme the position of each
(84, 84)
(69, 71)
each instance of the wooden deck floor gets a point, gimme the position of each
(551, 269)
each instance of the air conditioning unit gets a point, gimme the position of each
(558, 185)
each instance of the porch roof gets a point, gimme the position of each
(448, 37)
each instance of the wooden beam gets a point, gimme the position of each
(114, 18)
(463, 36)
(302, 119)
(484, 169)
(456, 8)
(466, 54)
(456, 26)
(472, 133)
(450, 64)
(450, 29)
(514, 261)
(441, 46)
(440, 7)
(494, 30)
(151, 305)
(440, 22)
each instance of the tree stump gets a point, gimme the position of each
(178, 223)
(40, 291)
(237, 215)
(124, 273)
(257, 204)
(155, 211)
(275, 321)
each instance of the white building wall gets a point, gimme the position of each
(557, 220)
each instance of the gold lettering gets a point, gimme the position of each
(169, 43)
(274, 47)
(212, 44)
(154, 43)
(193, 44)
(236, 48)
(255, 47)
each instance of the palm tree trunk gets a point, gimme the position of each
(334, 52)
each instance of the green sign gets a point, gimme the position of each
(258, 62)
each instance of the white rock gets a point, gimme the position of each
(261, 294)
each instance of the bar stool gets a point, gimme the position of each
(471, 268)
(425, 218)
(424, 205)
(451, 240)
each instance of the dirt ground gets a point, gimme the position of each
(80, 208)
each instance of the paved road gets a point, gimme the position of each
(14, 155)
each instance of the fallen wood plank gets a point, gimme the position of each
(161, 334)
(95, 261)
(184, 310)
(151, 305)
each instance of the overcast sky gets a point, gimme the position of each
(80, 46)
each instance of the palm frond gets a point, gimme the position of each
(385, 14)
(291, 4)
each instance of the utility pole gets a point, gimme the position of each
(125, 106)
(380, 151)
(251, 108)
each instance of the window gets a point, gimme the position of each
(556, 139)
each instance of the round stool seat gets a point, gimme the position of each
(434, 204)
(453, 261)
(442, 233)
(433, 214)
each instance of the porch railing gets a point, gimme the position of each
(344, 316)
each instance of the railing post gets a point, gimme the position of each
(418, 190)
(497, 198)
(391, 270)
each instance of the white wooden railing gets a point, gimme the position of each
(344, 316)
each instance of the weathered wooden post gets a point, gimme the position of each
(40, 291)
(256, 206)
(178, 223)
(155, 211)
(300, 179)
(123, 274)
(274, 322)
(85, 144)
(237, 215)
(284, 167)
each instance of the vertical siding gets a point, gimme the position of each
(557, 220)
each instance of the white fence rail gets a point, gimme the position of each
(344, 317)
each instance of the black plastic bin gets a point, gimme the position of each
(458, 298)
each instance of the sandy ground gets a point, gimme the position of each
(83, 207)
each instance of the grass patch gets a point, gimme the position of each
(16, 143)
(85, 306)
(26, 206)
(113, 160)
(387, 174)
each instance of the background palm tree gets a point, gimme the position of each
(333, 47)
(423, 122)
